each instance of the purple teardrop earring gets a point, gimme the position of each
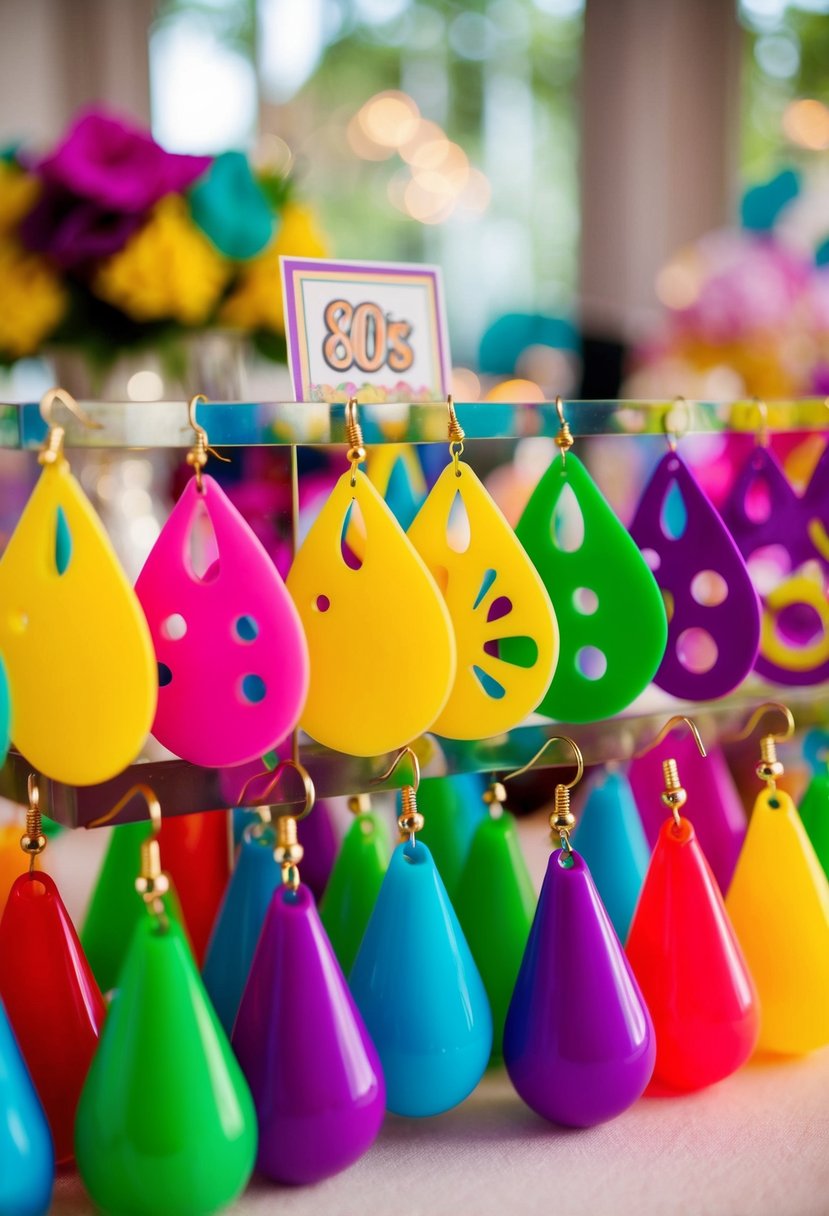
(578, 1043)
(713, 609)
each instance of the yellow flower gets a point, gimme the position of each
(168, 270)
(256, 302)
(32, 301)
(18, 192)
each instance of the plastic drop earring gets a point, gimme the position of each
(713, 609)
(495, 900)
(814, 805)
(578, 1043)
(358, 576)
(687, 957)
(789, 652)
(312, 1068)
(28, 1172)
(504, 625)
(255, 877)
(46, 984)
(165, 1122)
(76, 647)
(779, 903)
(598, 583)
(355, 880)
(415, 980)
(226, 600)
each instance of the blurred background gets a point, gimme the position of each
(565, 161)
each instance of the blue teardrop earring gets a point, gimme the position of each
(415, 980)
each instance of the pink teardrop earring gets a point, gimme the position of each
(235, 608)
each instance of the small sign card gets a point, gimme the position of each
(371, 330)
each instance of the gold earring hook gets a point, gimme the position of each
(564, 438)
(288, 852)
(198, 454)
(761, 435)
(456, 435)
(33, 842)
(409, 821)
(152, 883)
(562, 819)
(673, 434)
(356, 445)
(674, 795)
(52, 450)
(574, 747)
(768, 767)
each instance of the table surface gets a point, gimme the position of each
(755, 1145)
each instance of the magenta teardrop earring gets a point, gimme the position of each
(713, 609)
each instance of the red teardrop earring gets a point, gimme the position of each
(53, 1002)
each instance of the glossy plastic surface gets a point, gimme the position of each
(196, 854)
(416, 984)
(501, 613)
(76, 646)
(814, 814)
(579, 1043)
(354, 885)
(52, 1000)
(778, 902)
(12, 861)
(597, 588)
(238, 612)
(690, 967)
(232, 944)
(113, 910)
(27, 1160)
(165, 1121)
(376, 605)
(703, 546)
(610, 837)
(312, 1068)
(719, 815)
(495, 902)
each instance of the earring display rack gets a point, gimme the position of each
(183, 788)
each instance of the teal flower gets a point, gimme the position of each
(231, 209)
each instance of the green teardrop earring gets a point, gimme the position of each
(355, 881)
(165, 1122)
(598, 582)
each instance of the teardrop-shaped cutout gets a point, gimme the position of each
(458, 528)
(733, 625)
(354, 885)
(353, 538)
(686, 957)
(787, 955)
(75, 644)
(673, 518)
(495, 902)
(239, 614)
(758, 501)
(25, 1143)
(238, 925)
(165, 1099)
(492, 590)
(420, 994)
(313, 1070)
(63, 542)
(56, 1011)
(610, 837)
(389, 601)
(609, 565)
(203, 556)
(520, 652)
(567, 522)
(579, 1043)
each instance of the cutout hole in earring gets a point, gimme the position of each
(696, 650)
(173, 627)
(585, 600)
(673, 518)
(517, 651)
(591, 662)
(758, 501)
(486, 583)
(500, 607)
(567, 524)
(202, 546)
(489, 684)
(651, 559)
(254, 689)
(353, 537)
(767, 566)
(458, 528)
(63, 542)
(709, 588)
(322, 603)
(246, 628)
(165, 675)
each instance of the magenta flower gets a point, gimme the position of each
(117, 166)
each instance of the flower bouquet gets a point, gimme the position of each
(110, 244)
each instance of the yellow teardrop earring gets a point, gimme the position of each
(505, 627)
(361, 589)
(80, 662)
